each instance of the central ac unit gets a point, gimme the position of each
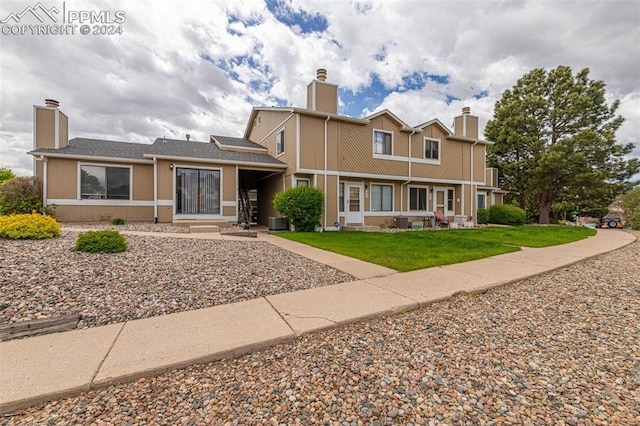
(277, 224)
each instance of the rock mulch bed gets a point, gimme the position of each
(560, 348)
(155, 276)
(130, 226)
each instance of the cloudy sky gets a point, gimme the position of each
(199, 66)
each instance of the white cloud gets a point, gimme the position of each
(152, 80)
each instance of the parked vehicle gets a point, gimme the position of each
(611, 222)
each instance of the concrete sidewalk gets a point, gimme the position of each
(38, 369)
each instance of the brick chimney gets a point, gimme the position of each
(322, 96)
(466, 125)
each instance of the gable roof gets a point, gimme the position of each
(207, 152)
(436, 122)
(405, 126)
(227, 142)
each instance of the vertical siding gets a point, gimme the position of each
(45, 128)
(63, 130)
(311, 143)
(142, 182)
(62, 175)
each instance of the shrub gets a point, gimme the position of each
(301, 205)
(506, 214)
(6, 174)
(28, 226)
(21, 195)
(118, 221)
(483, 216)
(107, 241)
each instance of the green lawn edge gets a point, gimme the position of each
(409, 251)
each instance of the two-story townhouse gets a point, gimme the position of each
(371, 170)
(374, 169)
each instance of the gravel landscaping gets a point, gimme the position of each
(155, 276)
(559, 348)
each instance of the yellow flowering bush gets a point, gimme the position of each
(32, 226)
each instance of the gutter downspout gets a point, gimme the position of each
(45, 178)
(326, 150)
(155, 190)
(472, 213)
(408, 177)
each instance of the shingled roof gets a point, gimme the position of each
(206, 151)
(237, 142)
(161, 147)
(83, 147)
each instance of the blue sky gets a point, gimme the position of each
(198, 67)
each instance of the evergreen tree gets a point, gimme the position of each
(555, 143)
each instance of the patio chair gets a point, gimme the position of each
(441, 219)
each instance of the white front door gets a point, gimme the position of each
(355, 203)
(440, 200)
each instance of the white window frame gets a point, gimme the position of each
(223, 204)
(103, 201)
(373, 144)
(298, 180)
(424, 150)
(280, 144)
(486, 198)
(426, 198)
(371, 185)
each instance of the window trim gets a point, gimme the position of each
(426, 199)
(198, 215)
(109, 200)
(486, 199)
(371, 185)
(281, 132)
(373, 143)
(298, 180)
(424, 150)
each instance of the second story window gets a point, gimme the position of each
(382, 142)
(280, 142)
(431, 149)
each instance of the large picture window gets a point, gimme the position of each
(197, 191)
(381, 198)
(105, 183)
(382, 143)
(418, 199)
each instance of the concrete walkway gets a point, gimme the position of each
(38, 369)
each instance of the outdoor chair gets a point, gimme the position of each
(441, 219)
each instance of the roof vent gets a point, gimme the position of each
(466, 110)
(322, 74)
(188, 136)
(52, 103)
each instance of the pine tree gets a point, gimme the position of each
(555, 142)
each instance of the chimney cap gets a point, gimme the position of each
(466, 110)
(51, 103)
(321, 74)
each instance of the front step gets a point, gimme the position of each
(197, 229)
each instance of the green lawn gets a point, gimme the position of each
(408, 251)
